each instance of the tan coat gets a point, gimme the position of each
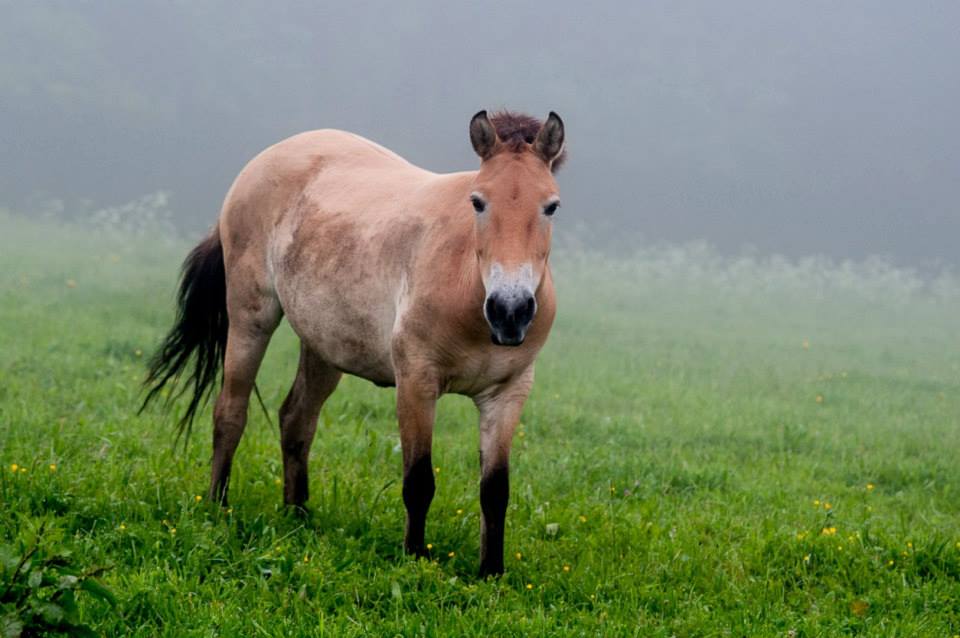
(397, 275)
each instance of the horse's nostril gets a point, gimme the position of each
(495, 311)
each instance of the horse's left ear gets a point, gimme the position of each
(549, 142)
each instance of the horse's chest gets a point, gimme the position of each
(481, 368)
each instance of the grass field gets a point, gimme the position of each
(714, 447)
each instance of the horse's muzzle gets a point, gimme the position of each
(509, 317)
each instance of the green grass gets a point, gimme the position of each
(676, 474)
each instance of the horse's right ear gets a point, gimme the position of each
(482, 135)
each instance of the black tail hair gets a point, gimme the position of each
(199, 332)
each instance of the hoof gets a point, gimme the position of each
(218, 496)
(298, 510)
(420, 551)
(491, 571)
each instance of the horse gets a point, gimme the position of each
(432, 283)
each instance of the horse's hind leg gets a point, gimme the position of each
(298, 421)
(251, 327)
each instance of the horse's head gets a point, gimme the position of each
(513, 200)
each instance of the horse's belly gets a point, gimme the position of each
(350, 330)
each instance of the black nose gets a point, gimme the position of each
(509, 317)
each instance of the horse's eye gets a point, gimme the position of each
(551, 208)
(478, 204)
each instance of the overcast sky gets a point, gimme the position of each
(814, 127)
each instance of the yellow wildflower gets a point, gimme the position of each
(53, 467)
(870, 486)
(566, 568)
(529, 585)
(583, 519)
(429, 545)
(827, 506)
(819, 398)
(828, 531)
(437, 469)
(122, 527)
(14, 467)
(451, 554)
(519, 556)
(198, 498)
(459, 511)
(816, 502)
(173, 530)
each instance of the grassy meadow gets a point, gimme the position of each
(714, 447)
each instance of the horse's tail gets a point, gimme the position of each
(199, 332)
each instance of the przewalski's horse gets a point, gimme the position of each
(431, 282)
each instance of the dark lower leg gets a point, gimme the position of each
(298, 423)
(228, 424)
(494, 495)
(295, 443)
(418, 490)
(296, 484)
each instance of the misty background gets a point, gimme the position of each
(813, 128)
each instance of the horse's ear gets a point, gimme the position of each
(482, 135)
(549, 142)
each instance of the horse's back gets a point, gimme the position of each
(336, 147)
(273, 180)
(324, 169)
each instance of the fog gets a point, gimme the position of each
(792, 128)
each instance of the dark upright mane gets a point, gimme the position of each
(516, 130)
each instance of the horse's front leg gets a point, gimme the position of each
(500, 409)
(416, 405)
